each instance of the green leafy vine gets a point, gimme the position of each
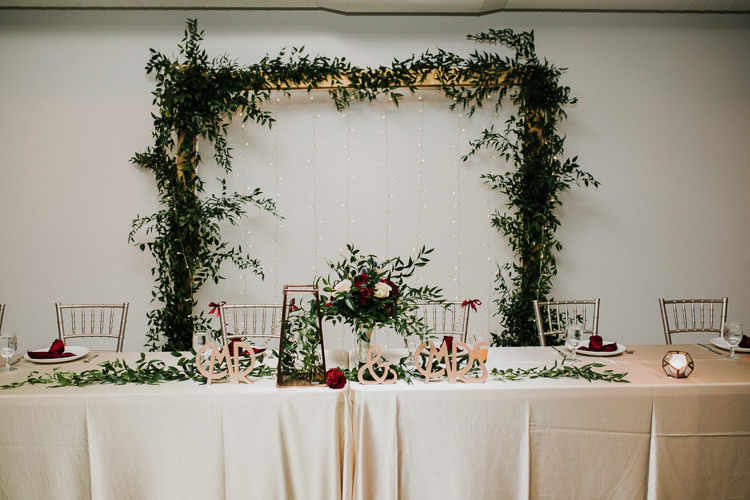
(197, 98)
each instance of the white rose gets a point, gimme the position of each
(343, 286)
(382, 290)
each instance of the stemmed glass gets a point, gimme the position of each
(8, 346)
(573, 339)
(412, 342)
(199, 340)
(732, 335)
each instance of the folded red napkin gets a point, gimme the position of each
(745, 342)
(243, 352)
(597, 344)
(57, 350)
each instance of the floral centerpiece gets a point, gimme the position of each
(366, 293)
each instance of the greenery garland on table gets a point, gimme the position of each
(152, 372)
(118, 372)
(197, 97)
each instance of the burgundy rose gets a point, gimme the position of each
(745, 342)
(335, 378)
(366, 294)
(362, 280)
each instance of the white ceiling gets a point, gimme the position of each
(457, 7)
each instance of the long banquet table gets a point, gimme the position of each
(654, 437)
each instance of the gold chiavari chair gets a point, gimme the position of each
(553, 317)
(102, 321)
(259, 324)
(445, 318)
(692, 316)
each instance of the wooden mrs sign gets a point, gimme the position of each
(232, 360)
(449, 359)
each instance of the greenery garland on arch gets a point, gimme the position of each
(197, 97)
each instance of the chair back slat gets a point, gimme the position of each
(445, 318)
(106, 321)
(257, 323)
(692, 316)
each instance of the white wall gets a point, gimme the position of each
(662, 122)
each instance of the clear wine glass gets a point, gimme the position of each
(199, 340)
(732, 335)
(573, 339)
(8, 346)
(412, 342)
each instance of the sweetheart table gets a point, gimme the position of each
(654, 437)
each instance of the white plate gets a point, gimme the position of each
(78, 352)
(620, 349)
(722, 344)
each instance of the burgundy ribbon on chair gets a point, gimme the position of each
(215, 307)
(472, 303)
(293, 306)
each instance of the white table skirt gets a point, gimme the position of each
(178, 440)
(653, 438)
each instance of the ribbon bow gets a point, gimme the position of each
(215, 307)
(471, 303)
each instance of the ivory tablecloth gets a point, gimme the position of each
(178, 440)
(652, 438)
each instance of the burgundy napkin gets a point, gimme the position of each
(745, 342)
(448, 341)
(243, 352)
(57, 350)
(596, 344)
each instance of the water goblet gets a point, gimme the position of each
(199, 340)
(573, 339)
(8, 346)
(732, 335)
(412, 342)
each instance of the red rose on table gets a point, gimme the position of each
(335, 378)
(745, 342)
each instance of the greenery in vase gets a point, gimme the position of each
(302, 352)
(366, 293)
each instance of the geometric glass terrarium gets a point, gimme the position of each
(301, 358)
(677, 364)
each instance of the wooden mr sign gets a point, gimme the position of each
(232, 360)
